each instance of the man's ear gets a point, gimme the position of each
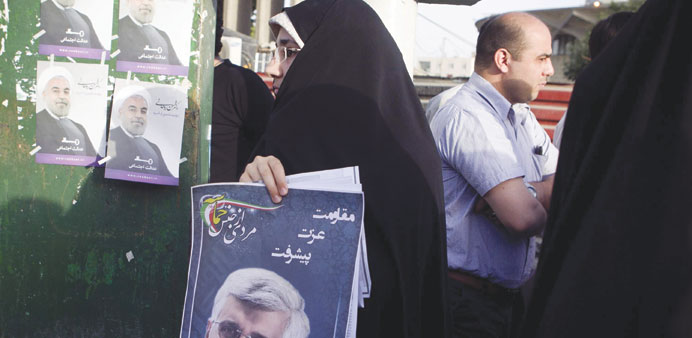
(209, 324)
(502, 59)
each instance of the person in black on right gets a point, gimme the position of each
(616, 252)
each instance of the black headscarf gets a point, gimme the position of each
(617, 257)
(348, 100)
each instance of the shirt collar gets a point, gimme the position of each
(128, 134)
(55, 117)
(481, 86)
(521, 110)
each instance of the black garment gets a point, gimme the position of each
(133, 39)
(135, 154)
(478, 315)
(56, 22)
(348, 100)
(617, 255)
(62, 136)
(242, 103)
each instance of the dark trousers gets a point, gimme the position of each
(476, 314)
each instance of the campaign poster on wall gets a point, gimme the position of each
(71, 112)
(272, 270)
(146, 132)
(76, 28)
(154, 36)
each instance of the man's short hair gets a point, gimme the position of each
(265, 290)
(605, 30)
(497, 33)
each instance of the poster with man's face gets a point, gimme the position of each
(76, 28)
(154, 36)
(262, 269)
(71, 112)
(146, 132)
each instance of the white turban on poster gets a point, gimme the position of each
(127, 92)
(51, 73)
(146, 132)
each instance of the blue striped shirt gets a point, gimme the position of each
(483, 141)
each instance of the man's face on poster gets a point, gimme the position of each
(142, 10)
(237, 319)
(133, 115)
(66, 3)
(56, 96)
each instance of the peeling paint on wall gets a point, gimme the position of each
(64, 230)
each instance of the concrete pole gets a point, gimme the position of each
(277, 7)
(265, 10)
(237, 14)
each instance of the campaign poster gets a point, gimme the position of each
(154, 36)
(76, 28)
(146, 132)
(71, 112)
(271, 270)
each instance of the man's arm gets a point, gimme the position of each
(513, 205)
(547, 159)
(544, 190)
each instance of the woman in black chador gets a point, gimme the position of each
(349, 101)
(617, 251)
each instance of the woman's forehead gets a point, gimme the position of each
(285, 39)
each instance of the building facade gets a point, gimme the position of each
(250, 24)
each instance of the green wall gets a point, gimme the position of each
(65, 231)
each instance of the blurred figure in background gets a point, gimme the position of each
(240, 111)
(604, 31)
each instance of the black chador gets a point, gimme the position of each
(242, 103)
(617, 254)
(348, 100)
